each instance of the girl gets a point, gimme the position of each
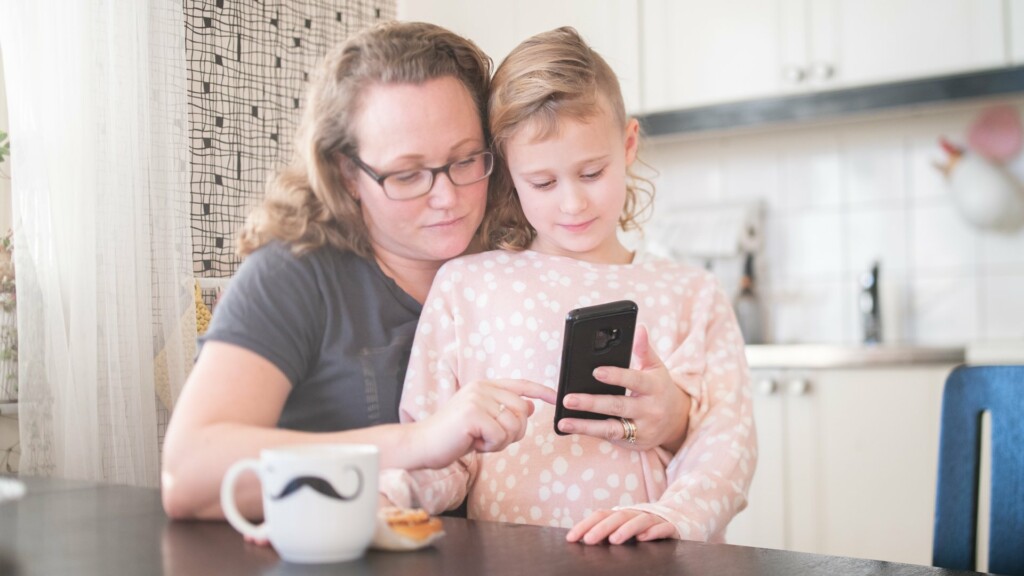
(563, 188)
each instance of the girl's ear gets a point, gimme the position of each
(632, 140)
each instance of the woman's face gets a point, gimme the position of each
(407, 127)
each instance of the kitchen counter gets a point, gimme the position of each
(838, 356)
(996, 352)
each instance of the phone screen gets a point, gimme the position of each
(600, 335)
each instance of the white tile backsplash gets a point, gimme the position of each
(944, 308)
(837, 197)
(809, 311)
(877, 235)
(690, 176)
(941, 241)
(810, 170)
(1002, 252)
(811, 244)
(1001, 304)
(873, 166)
(751, 170)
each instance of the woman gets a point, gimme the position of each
(311, 341)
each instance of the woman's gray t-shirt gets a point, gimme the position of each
(333, 323)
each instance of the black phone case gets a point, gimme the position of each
(590, 341)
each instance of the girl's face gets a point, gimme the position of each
(407, 127)
(572, 185)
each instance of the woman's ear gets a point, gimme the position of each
(632, 140)
(348, 173)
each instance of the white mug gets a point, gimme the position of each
(319, 500)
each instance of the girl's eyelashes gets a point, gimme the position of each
(585, 176)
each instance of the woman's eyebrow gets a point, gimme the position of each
(477, 143)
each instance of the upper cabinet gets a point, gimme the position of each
(678, 54)
(609, 26)
(1016, 19)
(882, 40)
(695, 52)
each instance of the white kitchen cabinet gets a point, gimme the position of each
(609, 26)
(885, 40)
(848, 461)
(1016, 27)
(697, 53)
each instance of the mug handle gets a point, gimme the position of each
(227, 500)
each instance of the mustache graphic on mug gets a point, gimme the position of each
(322, 486)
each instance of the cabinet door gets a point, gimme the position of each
(609, 26)
(1016, 20)
(697, 52)
(885, 40)
(873, 450)
(762, 524)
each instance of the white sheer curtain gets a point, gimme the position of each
(99, 174)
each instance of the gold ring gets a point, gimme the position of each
(629, 430)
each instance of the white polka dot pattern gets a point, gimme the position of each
(554, 480)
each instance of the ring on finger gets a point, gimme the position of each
(628, 430)
(501, 408)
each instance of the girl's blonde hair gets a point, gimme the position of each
(308, 203)
(550, 77)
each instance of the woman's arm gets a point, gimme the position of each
(229, 411)
(233, 399)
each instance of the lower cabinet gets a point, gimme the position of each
(847, 462)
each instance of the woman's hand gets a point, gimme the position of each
(618, 526)
(658, 407)
(484, 416)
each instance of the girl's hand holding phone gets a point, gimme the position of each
(658, 408)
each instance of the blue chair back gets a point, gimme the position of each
(969, 392)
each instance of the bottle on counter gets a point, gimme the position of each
(870, 306)
(749, 312)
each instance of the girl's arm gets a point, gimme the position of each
(710, 475)
(657, 404)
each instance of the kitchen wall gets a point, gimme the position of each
(840, 195)
(248, 65)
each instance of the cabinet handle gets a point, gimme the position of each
(798, 387)
(822, 71)
(767, 386)
(794, 74)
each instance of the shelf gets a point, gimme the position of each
(834, 103)
(8, 408)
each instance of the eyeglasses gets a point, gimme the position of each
(409, 184)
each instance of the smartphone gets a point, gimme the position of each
(600, 335)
